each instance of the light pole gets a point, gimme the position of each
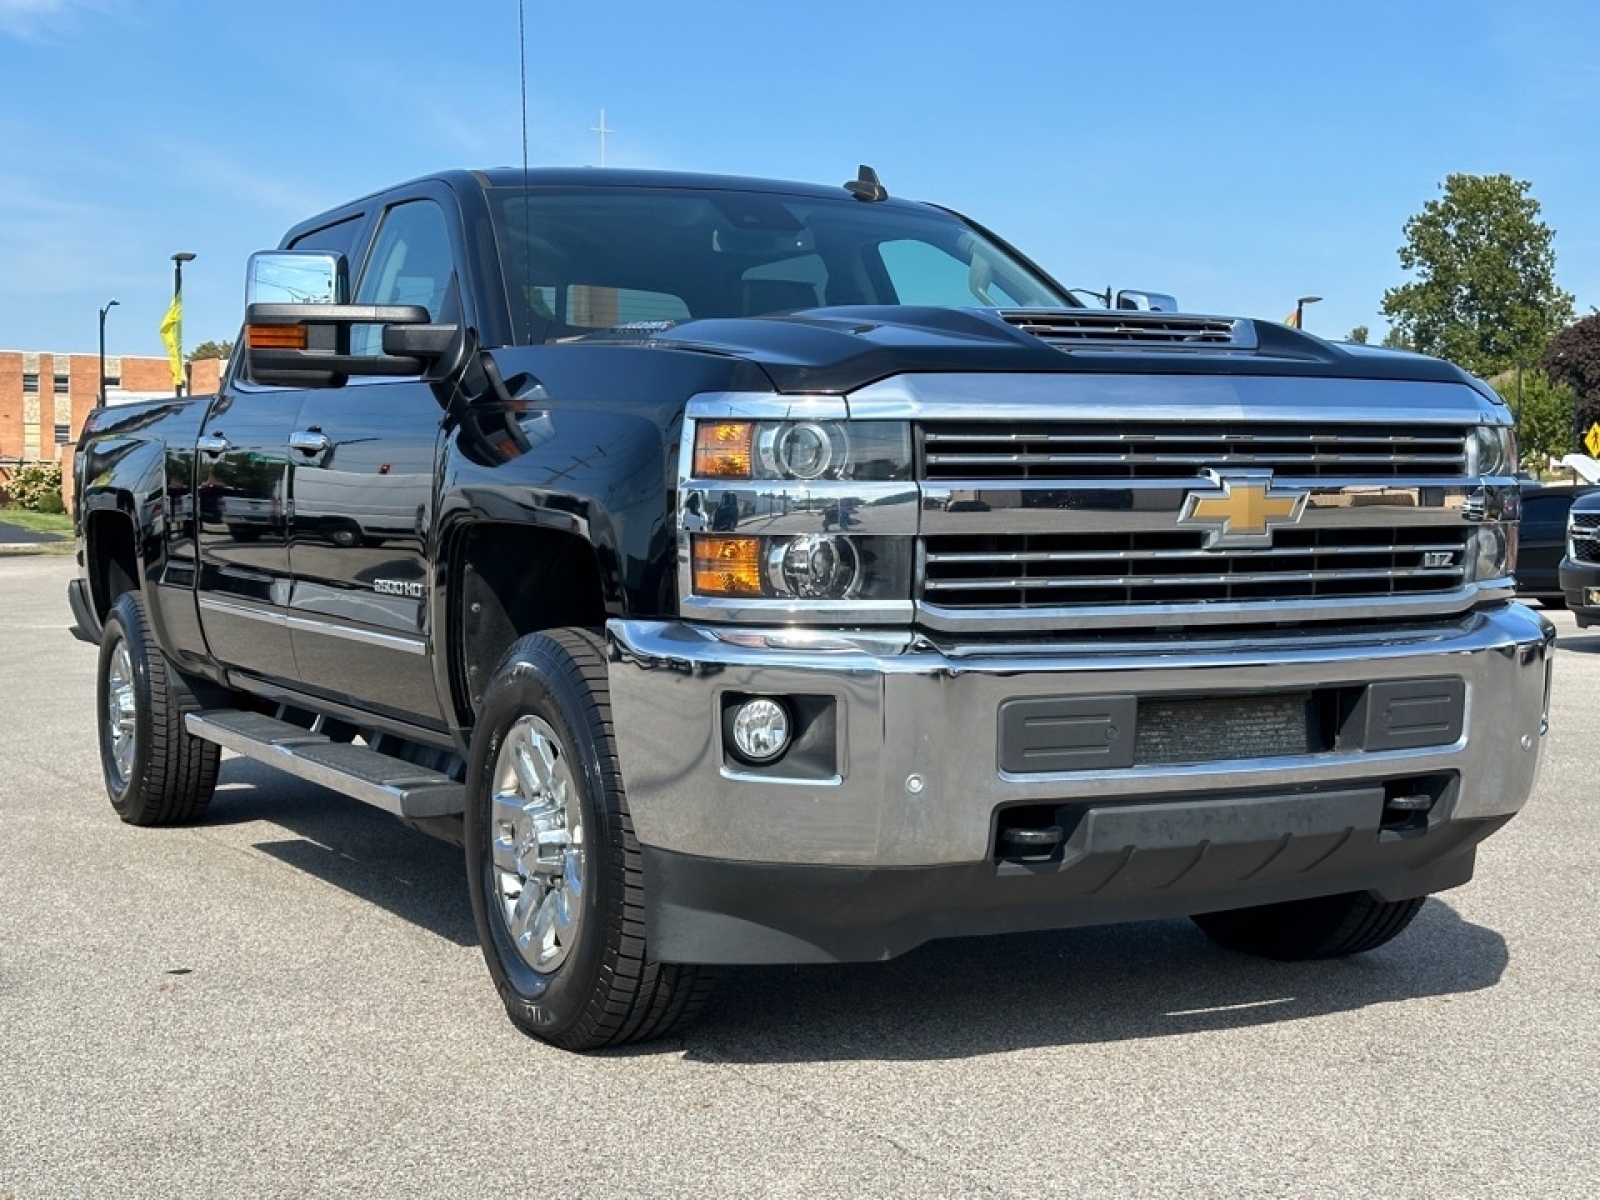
(100, 394)
(178, 259)
(1300, 310)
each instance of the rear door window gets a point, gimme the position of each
(1545, 516)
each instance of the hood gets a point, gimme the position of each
(833, 351)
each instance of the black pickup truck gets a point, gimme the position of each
(748, 572)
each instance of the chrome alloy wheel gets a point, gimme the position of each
(121, 712)
(536, 822)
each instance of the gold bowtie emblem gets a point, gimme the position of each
(1241, 509)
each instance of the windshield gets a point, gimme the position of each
(578, 260)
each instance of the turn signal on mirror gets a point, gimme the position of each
(276, 337)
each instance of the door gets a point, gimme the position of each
(243, 487)
(1542, 536)
(364, 459)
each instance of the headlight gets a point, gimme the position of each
(803, 451)
(804, 567)
(817, 567)
(1492, 450)
(1491, 552)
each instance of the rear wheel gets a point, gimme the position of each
(155, 772)
(554, 867)
(1324, 927)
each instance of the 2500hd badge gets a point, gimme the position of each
(400, 587)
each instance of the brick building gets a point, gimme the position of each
(44, 398)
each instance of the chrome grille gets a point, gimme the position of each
(1584, 528)
(1057, 570)
(1094, 328)
(988, 452)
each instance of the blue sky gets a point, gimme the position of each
(1236, 154)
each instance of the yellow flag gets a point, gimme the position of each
(172, 335)
(1293, 320)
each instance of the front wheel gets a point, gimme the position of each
(1323, 927)
(553, 865)
(156, 773)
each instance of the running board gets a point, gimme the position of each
(389, 783)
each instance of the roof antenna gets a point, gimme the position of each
(865, 186)
(527, 231)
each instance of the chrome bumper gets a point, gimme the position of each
(918, 777)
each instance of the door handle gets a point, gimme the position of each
(213, 444)
(309, 441)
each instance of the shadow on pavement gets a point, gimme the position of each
(959, 999)
(356, 848)
(951, 999)
(1582, 642)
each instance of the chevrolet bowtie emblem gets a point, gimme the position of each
(1241, 509)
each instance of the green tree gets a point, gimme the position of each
(211, 350)
(1485, 295)
(1358, 335)
(1544, 414)
(1573, 357)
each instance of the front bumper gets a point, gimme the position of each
(1580, 587)
(895, 833)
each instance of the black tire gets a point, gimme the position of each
(162, 776)
(1324, 927)
(597, 987)
(342, 535)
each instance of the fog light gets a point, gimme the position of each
(760, 730)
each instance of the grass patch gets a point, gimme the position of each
(38, 522)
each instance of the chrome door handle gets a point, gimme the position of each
(213, 443)
(309, 441)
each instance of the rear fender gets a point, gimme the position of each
(123, 519)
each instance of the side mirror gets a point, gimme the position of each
(298, 323)
(1137, 301)
(283, 277)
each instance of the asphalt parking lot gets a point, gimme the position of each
(288, 1001)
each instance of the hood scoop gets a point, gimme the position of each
(1093, 329)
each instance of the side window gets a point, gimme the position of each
(924, 274)
(1546, 511)
(411, 263)
(339, 238)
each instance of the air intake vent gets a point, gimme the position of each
(1095, 329)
